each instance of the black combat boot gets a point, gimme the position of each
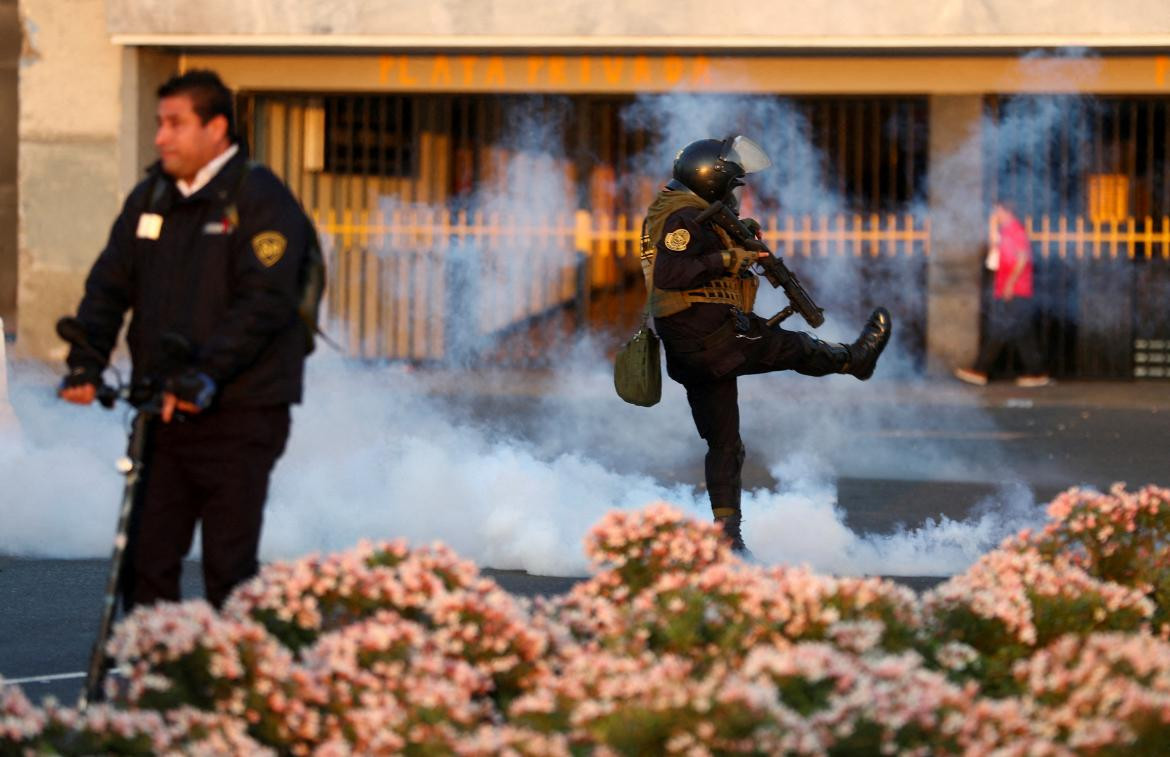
(731, 529)
(863, 353)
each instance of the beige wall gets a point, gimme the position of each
(9, 52)
(669, 24)
(89, 69)
(85, 105)
(70, 117)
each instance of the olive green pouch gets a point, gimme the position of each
(637, 368)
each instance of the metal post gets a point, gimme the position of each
(583, 244)
(131, 467)
(7, 416)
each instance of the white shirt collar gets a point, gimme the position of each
(207, 173)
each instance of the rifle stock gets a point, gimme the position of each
(773, 267)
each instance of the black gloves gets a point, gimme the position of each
(193, 386)
(81, 375)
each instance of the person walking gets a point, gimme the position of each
(1011, 322)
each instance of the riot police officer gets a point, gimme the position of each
(701, 293)
(210, 250)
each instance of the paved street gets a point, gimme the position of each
(914, 452)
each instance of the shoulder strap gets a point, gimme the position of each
(154, 193)
(648, 252)
(231, 209)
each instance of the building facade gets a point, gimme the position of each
(9, 55)
(427, 138)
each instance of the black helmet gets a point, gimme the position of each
(711, 168)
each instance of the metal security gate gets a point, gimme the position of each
(1091, 178)
(413, 193)
(1103, 292)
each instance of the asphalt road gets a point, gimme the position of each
(916, 454)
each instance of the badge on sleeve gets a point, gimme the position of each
(269, 247)
(149, 226)
(678, 240)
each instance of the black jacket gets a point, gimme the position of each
(229, 287)
(700, 262)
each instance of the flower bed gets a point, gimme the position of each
(1055, 643)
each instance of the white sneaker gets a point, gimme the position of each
(1032, 382)
(971, 377)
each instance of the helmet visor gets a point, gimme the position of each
(746, 153)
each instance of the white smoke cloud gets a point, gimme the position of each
(377, 453)
(1014, 147)
(512, 470)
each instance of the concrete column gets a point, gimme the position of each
(958, 230)
(9, 54)
(69, 191)
(86, 130)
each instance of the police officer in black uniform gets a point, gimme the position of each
(209, 251)
(702, 290)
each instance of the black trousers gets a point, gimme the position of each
(709, 377)
(212, 469)
(1011, 327)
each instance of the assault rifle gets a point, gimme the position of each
(773, 267)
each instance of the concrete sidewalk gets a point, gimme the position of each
(924, 390)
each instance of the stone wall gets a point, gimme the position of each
(867, 21)
(85, 118)
(84, 115)
(70, 120)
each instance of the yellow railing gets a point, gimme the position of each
(390, 286)
(1083, 239)
(391, 272)
(854, 235)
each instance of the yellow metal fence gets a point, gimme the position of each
(1081, 238)
(852, 235)
(402, 279)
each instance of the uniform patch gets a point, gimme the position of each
(678, 240)
(269, 247)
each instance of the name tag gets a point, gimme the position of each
(149, 225)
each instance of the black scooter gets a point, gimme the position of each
(148, 404)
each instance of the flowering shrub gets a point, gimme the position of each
(297, 601)
(103, 729)
(381, 684)
(721, 612)
(186, 654)
(1120, 536)
(1102, 690)
(471, 617)
(634, 549)
(1055, 644)
(642, 705)
(1010, 603)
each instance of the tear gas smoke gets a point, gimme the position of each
(381, 452)
(376, 454)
